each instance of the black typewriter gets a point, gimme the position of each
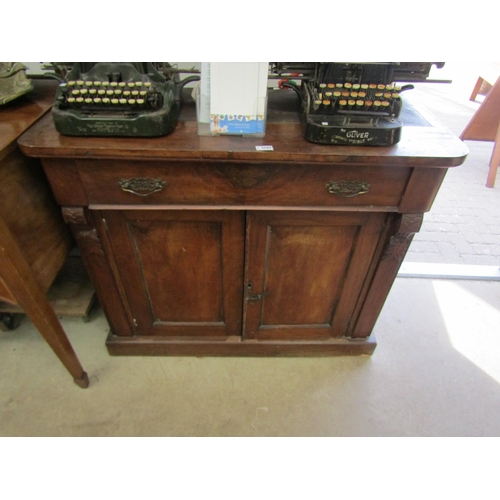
(117, 100)
(353, 103)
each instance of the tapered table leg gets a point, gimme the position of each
(18, 276)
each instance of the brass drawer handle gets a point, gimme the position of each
(347, 189)
(142, 186)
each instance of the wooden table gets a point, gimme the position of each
(206, 246)
(34, 241)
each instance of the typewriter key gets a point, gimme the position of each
(88, 100)
(105, 100)
(131, 101)
(71, 83)
(130, 84)
(364, 86)
(356, 86)
(79, 100)
(140, 101)
(138, 84)
(122, 84)
(83, 91)
(88, 84)
(113, 84)
(97, 100)
(123, 101)
(97, 84)
(79, 82)
(75, 91)
(71, 100)
(92, 92)
(114, 101)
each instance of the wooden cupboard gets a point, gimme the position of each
(207, 246)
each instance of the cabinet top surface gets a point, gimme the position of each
(424, 142)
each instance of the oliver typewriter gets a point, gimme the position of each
(353, 103)
(117, 99)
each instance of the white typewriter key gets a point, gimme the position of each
(356, 86)
(147, 84)
(140, 101)
(130, 84)
(109, 92)
(364, 86)
(75, 92)
(105, 84)
(123, 101)
(143, 92)
(97, 84)
(339, 85)
(131, 101)
(97, 100)
(348, 85)
(79, 82)
(71, 83)
(385, 104)
(135, 92)
(118, 92)
(387, 95)
(373, 86)
(92, 91)
(122, 84)
(359, 103)
(101, 92)
(88, 100)
(113, 84)
(79, 99)
(380, 86)
(395, 95)
(71, 100)
(138, 84)
(89, 84)
(114, 101)
(105, 100)
(83, 91)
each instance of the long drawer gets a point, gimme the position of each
(233, 184)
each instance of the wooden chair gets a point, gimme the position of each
(485, 126)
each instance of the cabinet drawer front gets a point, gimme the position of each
(212, 184)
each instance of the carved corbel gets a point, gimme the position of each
(409, 224)
(84, 231)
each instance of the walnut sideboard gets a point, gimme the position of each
(211, 246)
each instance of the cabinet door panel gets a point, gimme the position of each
(304, 272)
(182, 269)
